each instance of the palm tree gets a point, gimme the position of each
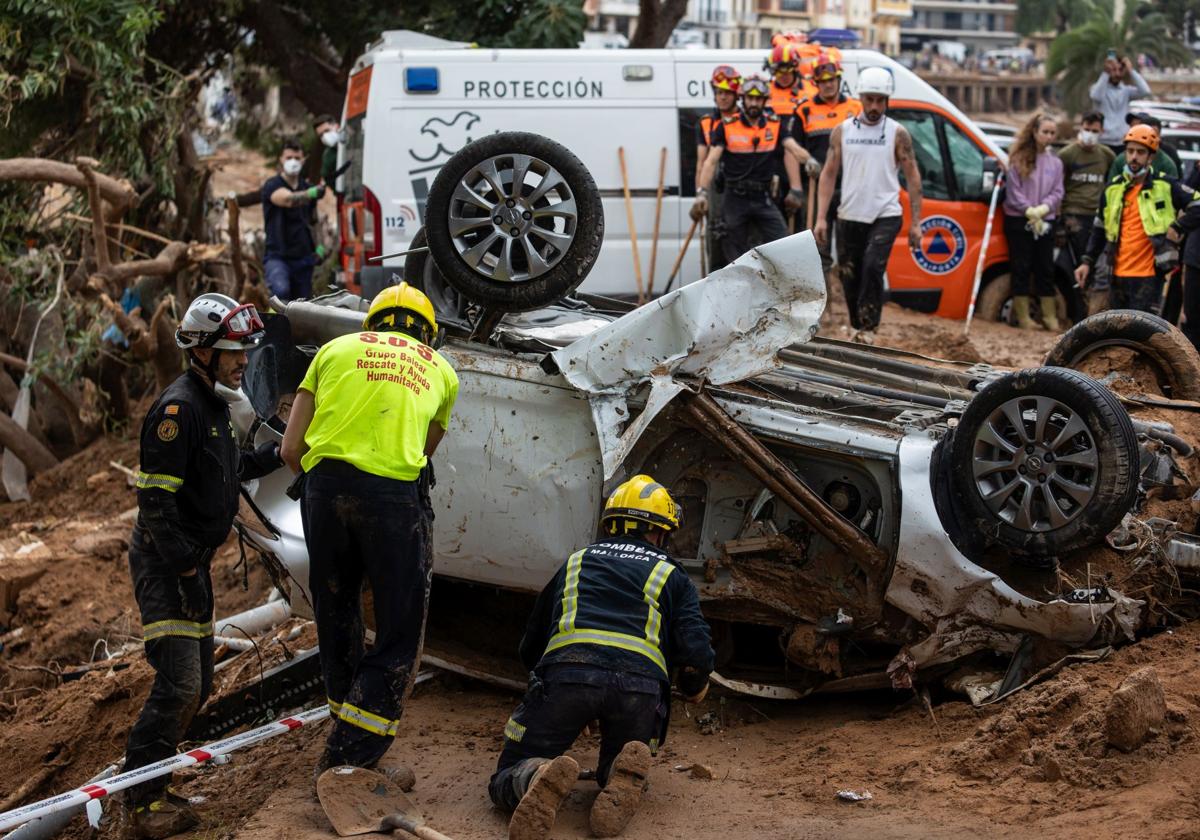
(1077, 57)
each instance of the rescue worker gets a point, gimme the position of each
(604, 637)
(868, 151)
(291, 252)
(1137, 223)
(372, 408)
(756, 142)
(817, 117)
(726, 84)
(787, 85)
(1165, 163)
(187, 492)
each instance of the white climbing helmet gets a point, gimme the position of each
(219, 321)
(875, 80)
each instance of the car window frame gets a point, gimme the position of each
(944, 152)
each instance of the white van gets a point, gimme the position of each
(408, 110)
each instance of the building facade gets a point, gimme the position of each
(979, 24)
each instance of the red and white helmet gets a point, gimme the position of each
(218, 321)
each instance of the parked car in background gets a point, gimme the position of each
(1187, 142)
(999, 133)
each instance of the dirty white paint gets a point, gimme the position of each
(724, 328)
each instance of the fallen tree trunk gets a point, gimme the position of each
(25, 447)
(116, 192)
(69, 403)
(169, 260)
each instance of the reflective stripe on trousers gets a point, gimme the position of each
(177, 627)
(369, 721)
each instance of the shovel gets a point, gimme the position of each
(359, 801)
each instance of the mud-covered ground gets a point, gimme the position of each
(1036, 763)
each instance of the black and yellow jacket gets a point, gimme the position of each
(624, 605)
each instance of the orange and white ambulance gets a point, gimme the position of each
(409, 109)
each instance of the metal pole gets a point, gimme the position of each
(398, 254)
(987, 235)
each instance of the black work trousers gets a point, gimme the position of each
(1141, 293)
(1191, 303)
(180, 650)
(559, 702)
(863, 251)
(357, 526)
(741, 212)
(1030, 261)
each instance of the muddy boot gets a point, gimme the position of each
(1020, 305)
(535, 813)
(162, 818)
(1049, 307)
(616, 804)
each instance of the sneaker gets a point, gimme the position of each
(162, 818)
(616, 804)
(535, 813)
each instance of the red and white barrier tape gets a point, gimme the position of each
(83, 795)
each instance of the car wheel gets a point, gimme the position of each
(995, 303)
(1144, 347)
(1044, 461)
(514, 221)
(422, 272)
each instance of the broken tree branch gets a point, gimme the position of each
(715, 423)
(99, 236)
(50, 382)
(117, 192)
(123, 227)
(24, 446)
(235, 243)
(169, 260)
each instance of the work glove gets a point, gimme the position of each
(321, 253)
(267, 454)
(316, 193)
(699, 207)
(1031, 213)
(193, 597)
(813, 167)
(794, 200)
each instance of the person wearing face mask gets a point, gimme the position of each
(756, 141)
(1139, 223)
(190, 469)
(1085, 164)
(326, 128)
(1035, 189)
(869, 151)
(287, 211)
(1165, 161)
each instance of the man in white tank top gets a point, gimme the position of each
(871, 148)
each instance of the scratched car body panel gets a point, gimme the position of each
(531, 450)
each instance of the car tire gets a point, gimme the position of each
(549, 231)
(422, 272)
(1170, 354)
(1059, 482)
(995, 303)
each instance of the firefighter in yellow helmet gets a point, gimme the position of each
(371, 410)
(607, 632)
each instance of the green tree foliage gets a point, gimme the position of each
(1077, 57)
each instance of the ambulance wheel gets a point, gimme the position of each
(514, 221)
(420, 271)
(995, 304)
(1043, 461)
(1144, 349)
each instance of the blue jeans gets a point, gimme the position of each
(559, 703)
(289, 279)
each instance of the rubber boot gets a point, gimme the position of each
(617, 803)
(535, 813)
(1049, 307)
(1021, 310)
(162, 818)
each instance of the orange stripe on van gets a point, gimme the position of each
(356, 96)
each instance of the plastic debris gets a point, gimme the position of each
(854, 796)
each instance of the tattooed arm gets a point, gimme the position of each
(284, 197)
(907, 161)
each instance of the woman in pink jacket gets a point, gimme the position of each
(1035, 190)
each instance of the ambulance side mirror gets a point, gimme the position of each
(991, 169)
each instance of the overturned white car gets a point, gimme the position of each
(852, 514)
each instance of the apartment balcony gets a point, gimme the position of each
(893, 9)
(963, 6)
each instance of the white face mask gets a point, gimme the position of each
(330, 138)
(292, 166)
(1088, 138)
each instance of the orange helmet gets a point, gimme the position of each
(826, 66)
(726, 78)
(756, 85)
(1143, 134)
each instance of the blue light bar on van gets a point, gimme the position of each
(421, 79)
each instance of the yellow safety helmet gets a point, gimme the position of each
(639, 502)
(405, 309)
